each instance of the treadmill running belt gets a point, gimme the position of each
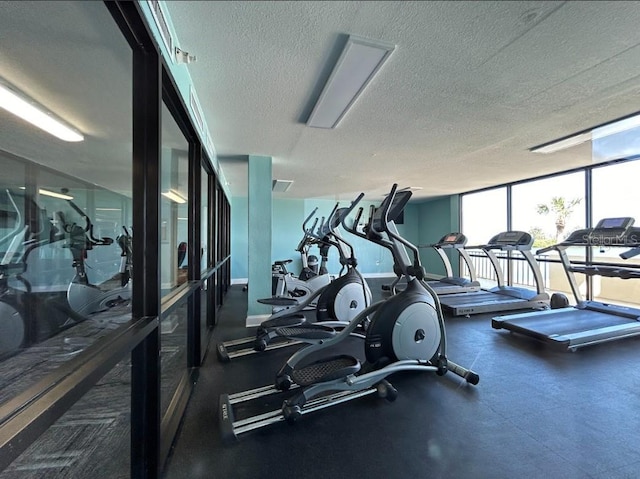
(564, 322)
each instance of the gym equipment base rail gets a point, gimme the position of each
(232, 428)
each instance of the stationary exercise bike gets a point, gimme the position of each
(336, 304)
(406, 333)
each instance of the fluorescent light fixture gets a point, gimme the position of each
(173, 195)
(36, 115)
(593, 134)
(616, 127)
(281, 186)
(54, 194)
(563, 144)
(359, 62)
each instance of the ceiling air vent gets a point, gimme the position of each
(210, 147)
(161, 23)
(195, 107)
(281, 186)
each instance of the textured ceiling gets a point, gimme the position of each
(470, 87)
(71, 58)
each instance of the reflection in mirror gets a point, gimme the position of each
(65, 259)
(174, 207)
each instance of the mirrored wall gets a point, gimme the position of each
(81, 372)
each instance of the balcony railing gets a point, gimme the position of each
(520, 272)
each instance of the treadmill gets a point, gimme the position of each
(448, 284)
(588, 322)
(451, 284)
(501, 297)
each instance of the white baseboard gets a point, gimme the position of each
(244, 281)
(256, 319)
(377, 275)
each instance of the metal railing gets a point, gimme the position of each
(520, 273)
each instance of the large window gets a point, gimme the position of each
(550, 209)
(484, 215)
(615, 194)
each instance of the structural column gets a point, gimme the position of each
(259, 238)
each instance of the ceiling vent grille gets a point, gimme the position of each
(211, 148)
(195, 107)
(281, 186)
(161, 23)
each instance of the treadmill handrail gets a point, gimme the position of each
(630, 253)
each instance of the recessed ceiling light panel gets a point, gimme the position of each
(359, 62)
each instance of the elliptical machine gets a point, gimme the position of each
(83, 297)
(285, 284)
(33, 305)
(336, 304)
(406, 333)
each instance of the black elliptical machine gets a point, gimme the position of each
(293, 289)
(337, 304)
(84, 297)
(406, 333)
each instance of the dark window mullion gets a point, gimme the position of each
(145, 358)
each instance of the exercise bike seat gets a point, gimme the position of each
(327, 369)
(278, 301)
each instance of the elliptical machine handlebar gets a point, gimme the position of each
(307, 238)
(304, 223)
(18, 220)
(353, 229)
(88, 228)
(336, 219)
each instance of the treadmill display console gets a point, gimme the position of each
(611, 232)
(453, 239)
(615, 223)
(512, 238)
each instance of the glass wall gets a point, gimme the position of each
(79, 376)
(65, 217)
(174, 237)
(91, 438)
(205, 258)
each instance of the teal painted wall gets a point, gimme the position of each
(239, 237)
(286, 233)
(259, 234)
(371, 258)
(287, 218)
(437, 218)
